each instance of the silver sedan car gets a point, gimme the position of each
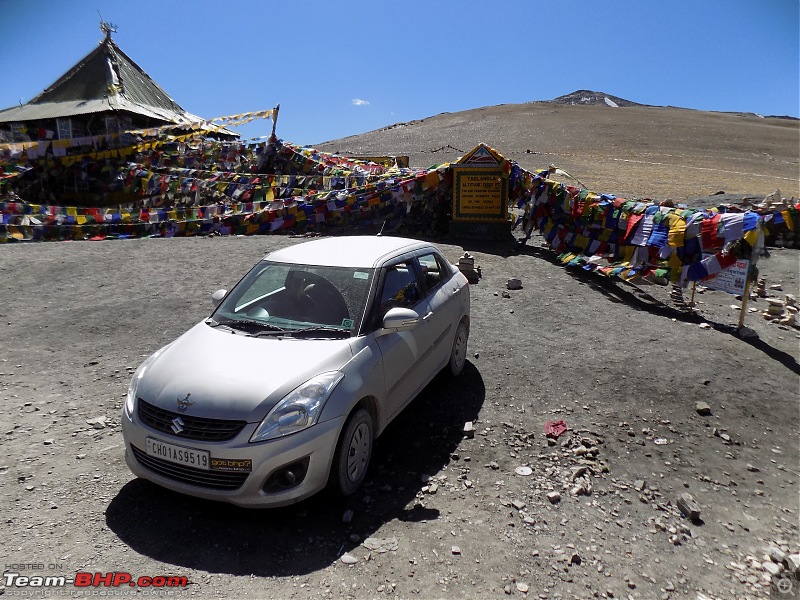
(283, 389)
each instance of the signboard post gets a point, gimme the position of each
(480, 195)
(733, 280)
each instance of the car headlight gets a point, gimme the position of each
(299, 409)
(133, 386)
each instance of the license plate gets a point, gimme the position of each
(180, 455)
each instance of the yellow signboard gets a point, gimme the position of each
(480, 195)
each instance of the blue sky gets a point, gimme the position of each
(347, 67)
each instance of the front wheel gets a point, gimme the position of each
(352, 455)
(458, 355)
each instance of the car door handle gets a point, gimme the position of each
(426, 317)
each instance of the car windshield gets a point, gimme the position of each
(302, 300)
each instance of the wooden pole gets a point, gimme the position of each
(745, 296)
(275, 118)
(691, 302)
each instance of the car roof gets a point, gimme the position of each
(347, 251)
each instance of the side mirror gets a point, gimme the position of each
(217, 296)
(399, 319)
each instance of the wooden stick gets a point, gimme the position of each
(745, 296)
(275, 119)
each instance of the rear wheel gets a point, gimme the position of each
(458, 355)
(353, 452)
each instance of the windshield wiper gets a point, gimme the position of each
(326, 331)
(246, 324)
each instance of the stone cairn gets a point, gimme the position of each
(761, 288)
(676, 295)
(783, 312)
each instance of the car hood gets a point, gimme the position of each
(227, 375)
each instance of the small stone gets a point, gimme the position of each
(792, 563)
(578, 472)
(348, 559)
(772, 568)
(575, 559)
(97, 422)
(522, 588)
(80, 456)
(703, 409)
(514, 284)
(469, 429)
(688, 506)
(381, 545)
(347, 517)
(752, 468)
(579, 490)
(777, 555)
(49, 442)
(639, 485)
(518, 504)
(554, 497)
(523, 471)
(455, 550)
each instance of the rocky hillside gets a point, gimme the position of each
(588, 97)
(642, 151)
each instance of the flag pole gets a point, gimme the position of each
(745, 296)
(275, 118)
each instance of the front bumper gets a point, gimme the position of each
(317, 443)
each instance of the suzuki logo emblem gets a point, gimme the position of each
(177, 425)
(184, 404)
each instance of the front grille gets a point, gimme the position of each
(193, 428)
(218, 480)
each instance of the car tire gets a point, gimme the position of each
(353, 452)
(458, 355)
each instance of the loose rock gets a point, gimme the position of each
(703, 409)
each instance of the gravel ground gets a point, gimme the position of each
(443, 514)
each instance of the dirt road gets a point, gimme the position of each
(442, 515)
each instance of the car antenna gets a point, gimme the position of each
(380, 233)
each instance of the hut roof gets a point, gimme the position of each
(105, 80)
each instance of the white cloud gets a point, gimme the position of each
(360, 102)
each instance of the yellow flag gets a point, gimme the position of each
(677, 233)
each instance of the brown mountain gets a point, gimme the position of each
(630, 150)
